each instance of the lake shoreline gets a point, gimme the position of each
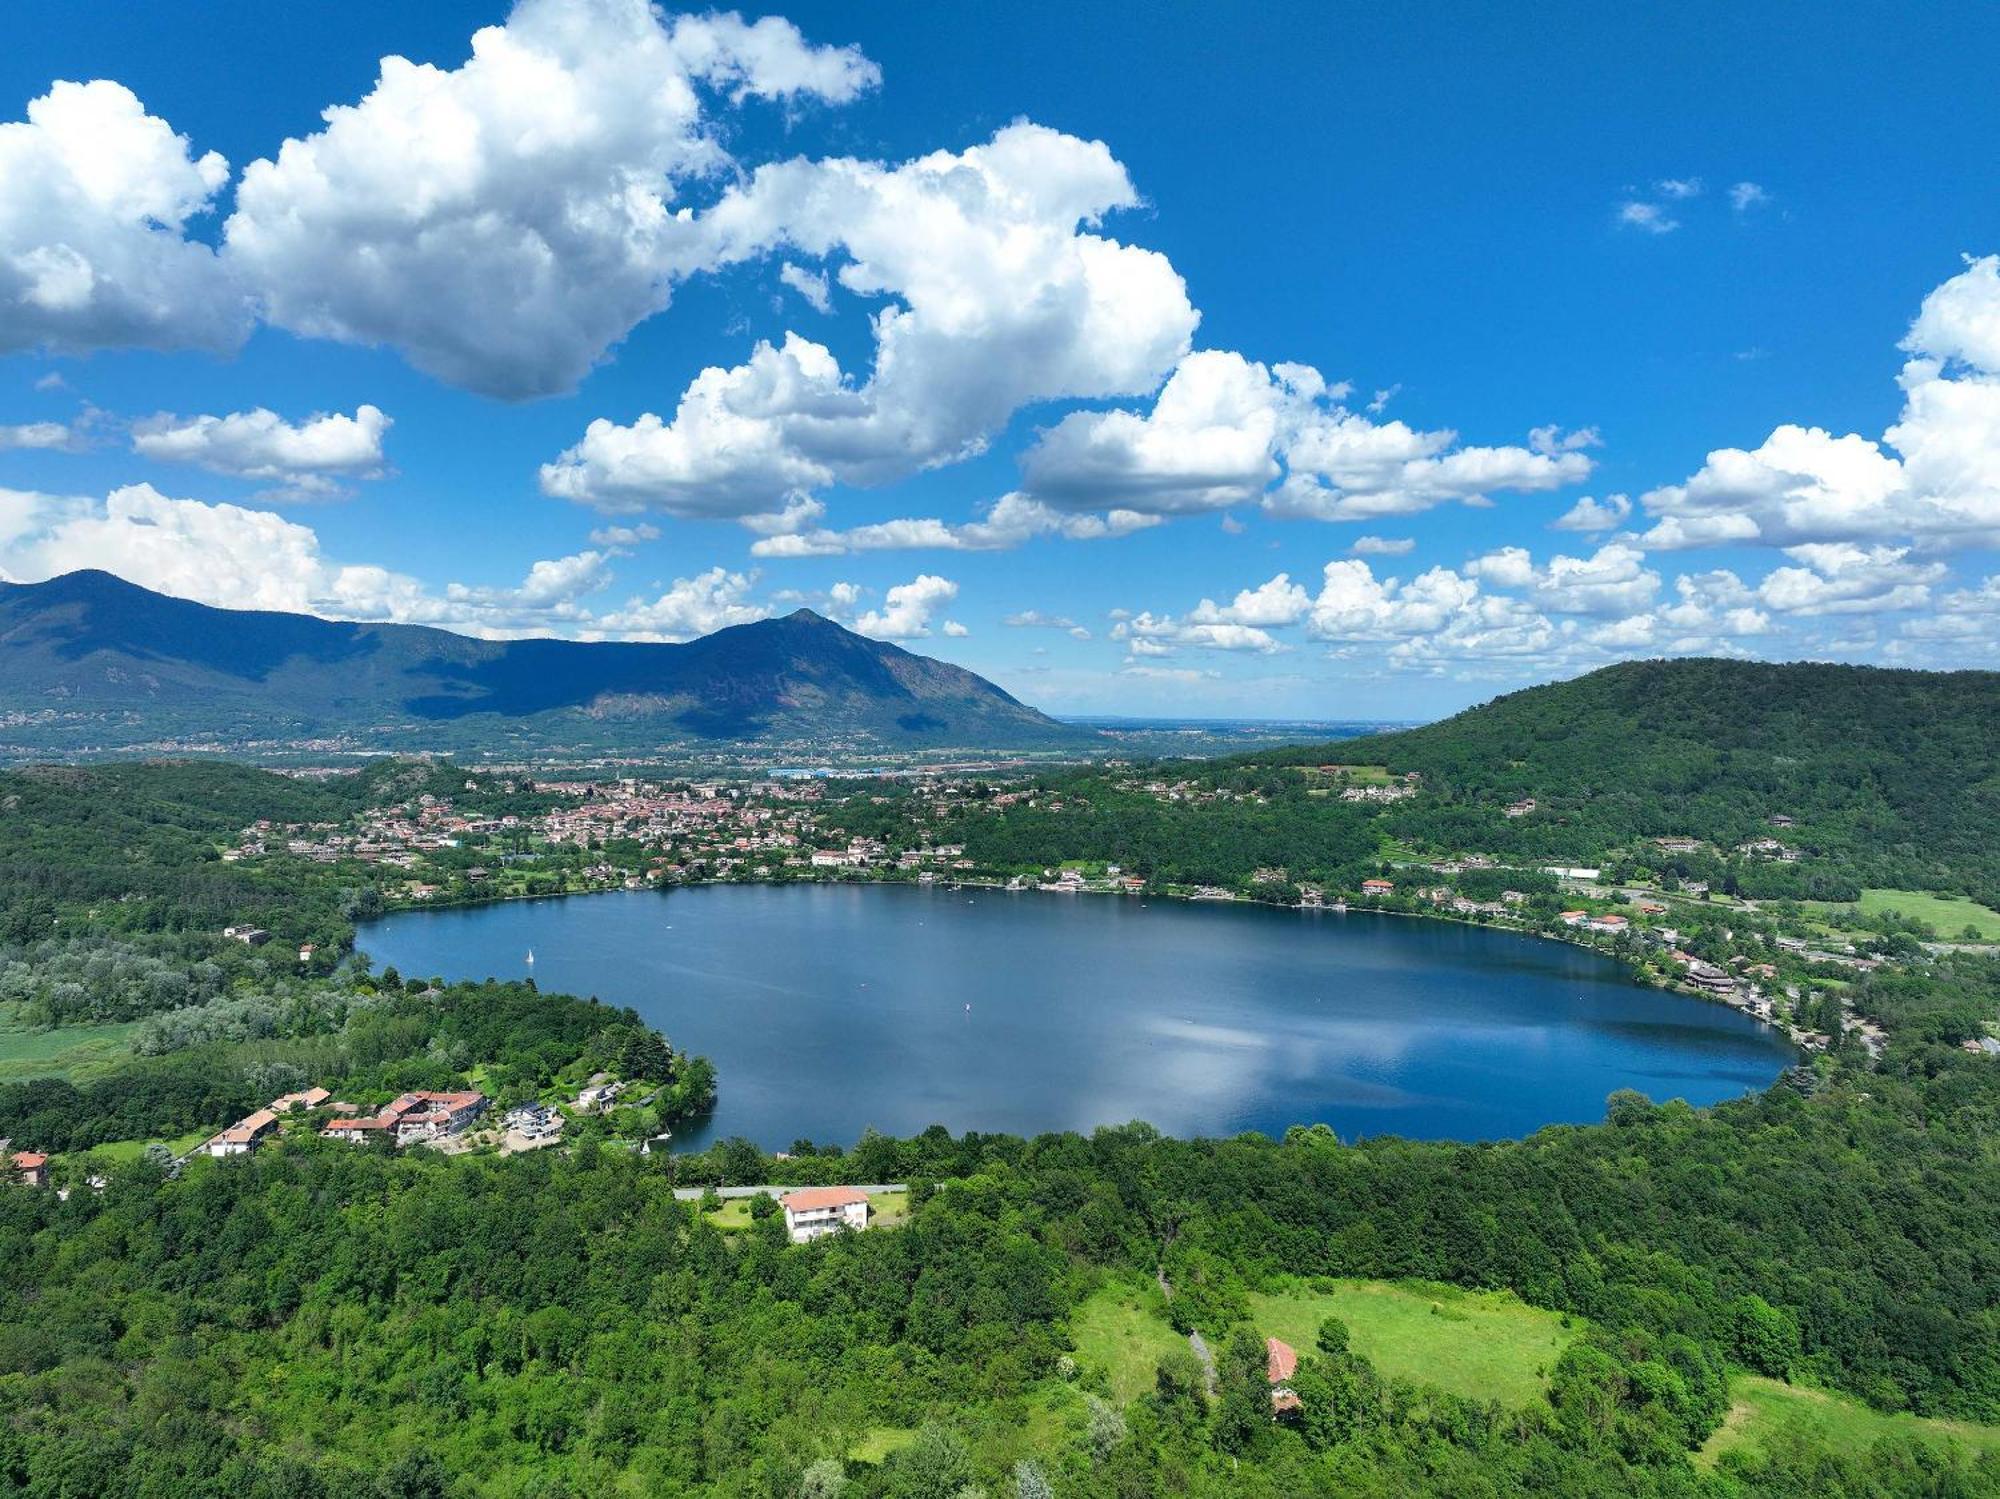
(1205, 1020)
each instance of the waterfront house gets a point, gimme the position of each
(813, 1212)
(1710, 979)
(1378, 887)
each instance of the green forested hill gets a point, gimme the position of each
(1891, 776)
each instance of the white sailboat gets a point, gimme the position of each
(531, 957)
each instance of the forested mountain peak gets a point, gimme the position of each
(93, 659)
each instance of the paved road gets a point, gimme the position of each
(692, 1194)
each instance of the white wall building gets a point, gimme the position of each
(813, 1211)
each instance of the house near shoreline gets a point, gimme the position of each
(412, 1118)
(813, 1212)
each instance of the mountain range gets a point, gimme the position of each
(88, 660)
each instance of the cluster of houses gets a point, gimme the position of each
(412, 1118)
(1395, 792)
(247, 1133)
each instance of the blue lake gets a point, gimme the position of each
(832, 1008)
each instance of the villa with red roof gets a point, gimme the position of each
(812, 1212)
(31, 1166)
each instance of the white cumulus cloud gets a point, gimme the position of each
(1933, 476)
(505, 222)
(996, 293)
(907, 609)
(260, 444)
(95, 199)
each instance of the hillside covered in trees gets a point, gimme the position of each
(1892, 777)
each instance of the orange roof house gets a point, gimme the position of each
(812, 1212)
(1281, 1362)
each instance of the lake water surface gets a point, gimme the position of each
(831, 1008)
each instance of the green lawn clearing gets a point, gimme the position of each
(1950, 914)
(1764, 1408)
(131, 1150)
(733, 1215)
(877, 1442)
(1488, 1345)
(887, 1209)
(1123, 1331)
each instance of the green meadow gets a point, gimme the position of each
(1482, 1344)
(1762, 1410)
(1488, 1345)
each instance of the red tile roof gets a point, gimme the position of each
(247, 1129)
(1281, 1360)
(807, 1199)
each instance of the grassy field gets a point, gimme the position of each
(1763, 1408)
(131, 1150)
(1121, 1330)
(887, 1209)
(1950, 914)
(1483, 1344)
(69, 1051)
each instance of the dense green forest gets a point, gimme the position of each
(1889, 778)
(318, 1320)
(321, 1320)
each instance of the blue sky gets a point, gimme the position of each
(1176, 307)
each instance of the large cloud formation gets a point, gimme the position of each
(505, 222)
(996, 292)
